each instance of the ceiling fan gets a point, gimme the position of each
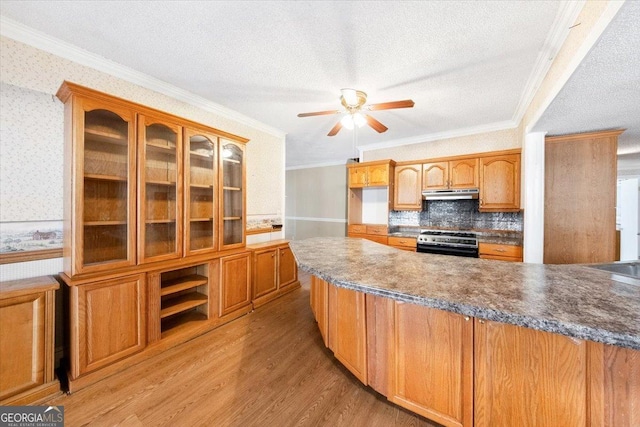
(354, 102)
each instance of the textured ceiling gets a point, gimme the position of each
(465, 64)
(604, 91)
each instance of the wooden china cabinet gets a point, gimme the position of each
(154, 250)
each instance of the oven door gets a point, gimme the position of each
(447, 250)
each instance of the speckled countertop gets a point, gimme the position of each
(572, 300)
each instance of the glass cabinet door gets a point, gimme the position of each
(159, 154)
(232, 201)
(200, 191)
(105, 225)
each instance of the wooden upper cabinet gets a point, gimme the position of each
(408, 187)
(378, 175)
(160, 170)
(200, 191)
(372, 174)
(232, 202)
(500, 183)
(452, 174)
(435, 176)
(524, 374)
(100, 185)
(463, 173)
(358, 177)
(431, 363)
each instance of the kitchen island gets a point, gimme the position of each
(468, 341)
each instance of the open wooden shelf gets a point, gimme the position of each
(205, 186)
(182, 303)
(160, 221)
(232, 188)
(201, 219)
(101, 223)
(182, 283)
(232, 218)
(231, 161)
(163, 183)
(208, 156)
(181, 322)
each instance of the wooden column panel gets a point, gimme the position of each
(528, 376)
(288, 268)
(431, 363)
(347, 330)
(379, 311)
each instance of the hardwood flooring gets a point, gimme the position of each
(268, 368)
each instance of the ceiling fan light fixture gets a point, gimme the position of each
(347, 121)
(358, 119)
(350, 97)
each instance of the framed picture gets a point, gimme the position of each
(30, 240)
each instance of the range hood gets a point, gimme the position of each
(458, 194)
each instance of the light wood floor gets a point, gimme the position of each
(268, 368)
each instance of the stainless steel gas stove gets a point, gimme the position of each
(448, 242)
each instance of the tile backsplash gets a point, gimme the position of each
(456, 214)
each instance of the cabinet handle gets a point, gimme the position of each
(481, 321)
(481, 202)
(501, 250)
(272, 255)
(466, 318)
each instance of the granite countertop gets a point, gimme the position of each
(572, 300)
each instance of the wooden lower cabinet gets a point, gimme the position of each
(431, 363)
(460, 371)
(404, 243)
(527, 377)
(320, 306)
(108, 322)
(347, 330)
(275, 271)
(235, 283)
(614, 385)
(27, 340)
(500, 252)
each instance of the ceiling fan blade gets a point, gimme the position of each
(319, 113)
(407, 103)
(376, 125)
(334, 130)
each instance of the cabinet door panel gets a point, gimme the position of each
(265, 272)
(111, 321)
(378, 175)
(500, 183)
(408, 188)
(431, 363)
(288, 269)
(160, 190)
(357, 177)
(532, 377)
(235, 283)
(232, 200)
(347, 329)
(320, 306)
(435, 176)
(463, 173)
(22, 363)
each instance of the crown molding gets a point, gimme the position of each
(317, 165)
(560, 29)
(489, 127)
(29, 36)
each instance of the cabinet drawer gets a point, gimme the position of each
(405, 242)
(378, 239)
(507, 251)
(357, 228)
(380, 230)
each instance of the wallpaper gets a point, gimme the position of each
(31, 155)
(25, 69)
